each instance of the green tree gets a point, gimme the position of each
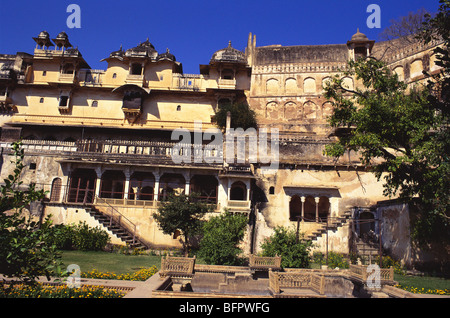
(184, 214)
(242, 116)
(25, 248)
(221, 237)
(399, 134)
(284, 243)
(437, 27)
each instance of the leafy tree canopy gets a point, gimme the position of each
(242, 116)
(26, 248)
(183, 213)
(221, 237)
(401, 133)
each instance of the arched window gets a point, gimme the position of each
(272, 86)
(56, 190)
(416, 68)
(178, 108)
(291, 86)
(238, 191)
(291, 111)
(295, 208)
(272, 190)
(310, 110)
(272, 110)
(309, 85)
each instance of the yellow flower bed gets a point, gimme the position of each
(57, 291)
(142, 274)
(416, 290)
(63, 291)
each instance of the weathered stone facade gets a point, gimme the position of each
(102, 139)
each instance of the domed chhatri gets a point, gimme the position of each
(43, 40)
(229, 54)
(359, 37)
(144, 49)
(166, 56)
(62, 40)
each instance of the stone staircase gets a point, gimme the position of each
(115, 228)
(366, 251)
(333, 225)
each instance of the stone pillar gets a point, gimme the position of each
(187, 187)
(156, 188)
(303, 208)
(98, 171)
(126, 186)
(316, 199)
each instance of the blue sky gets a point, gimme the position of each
(193, 29)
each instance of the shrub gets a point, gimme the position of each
(221, 236)
(284, 243)
(80, 237)
(334, 259)
(89, 239)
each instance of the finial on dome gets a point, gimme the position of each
(229, 43)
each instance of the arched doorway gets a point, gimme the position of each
(56, 190)
(366, 223)
(310, 209)
(238, 191)
(295, 208)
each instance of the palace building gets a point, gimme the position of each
(100, 141)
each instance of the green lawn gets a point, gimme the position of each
(426, 282)
(109, 262)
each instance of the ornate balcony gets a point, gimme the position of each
(226, 83)
(135, 79)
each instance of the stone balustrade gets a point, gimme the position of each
(264, 263)
(296, 280)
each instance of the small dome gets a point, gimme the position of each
(144, 49)
(166, 56)
(44, 35)
(62, 36)
(229, 54)
(43, 39)
(358, 36)
(119, 52)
